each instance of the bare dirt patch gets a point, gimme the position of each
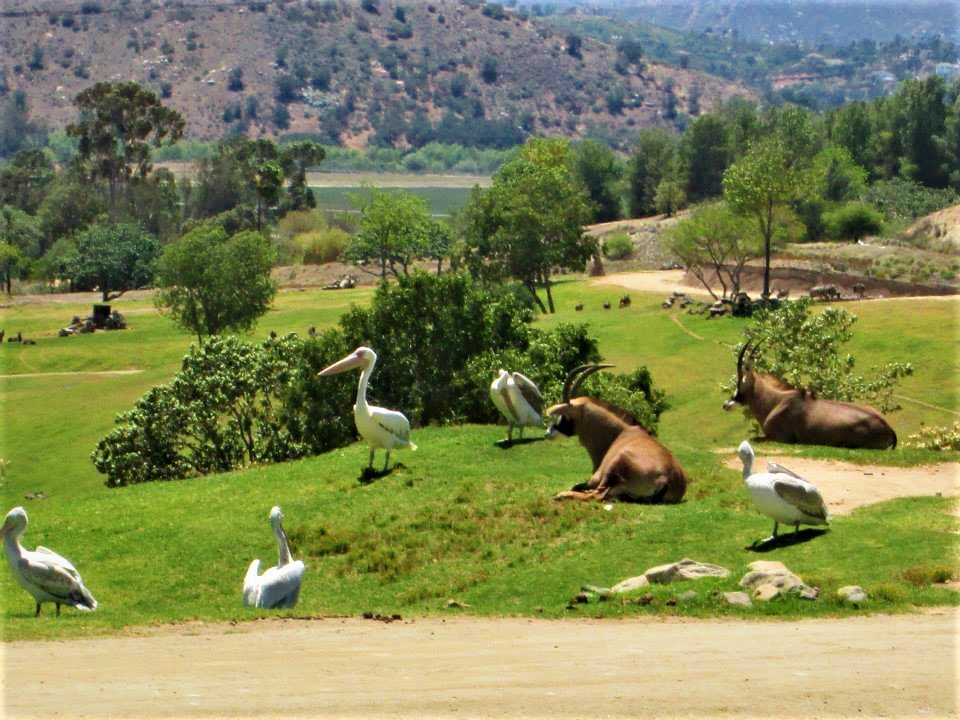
(846, 486)
(656, 281)
(900, 666)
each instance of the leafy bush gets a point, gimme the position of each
(936, 438)
(618, 246)
(321, 246)
(232, 403)
(802, 348)
(903, 199)
(853, 221)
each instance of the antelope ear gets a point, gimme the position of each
(561, 409)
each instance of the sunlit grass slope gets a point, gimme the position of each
(462, 519)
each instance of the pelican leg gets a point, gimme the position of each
(58, 609)
(370, 464)
(509, 433)
(37, 613)
(386, 463)
(521, 432)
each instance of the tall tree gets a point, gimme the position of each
(653, 159)
(210, 282)
(705, 152)
(600, 172)
(118, 124)
(758, 185)
(530, 220)
(25, 179)
(20, 238)
(394, 231)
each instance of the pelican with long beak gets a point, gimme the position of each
(43, 573)
(381, 428)
(782, 495)
(518, 400)
(278, 586)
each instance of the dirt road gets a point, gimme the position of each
(901, 666)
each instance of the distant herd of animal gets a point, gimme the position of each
(629, 464)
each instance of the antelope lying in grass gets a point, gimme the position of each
(792, 415)
(629, 464)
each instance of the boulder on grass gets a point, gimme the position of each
(769, 579)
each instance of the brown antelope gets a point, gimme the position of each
(792, 415)
(628, 463)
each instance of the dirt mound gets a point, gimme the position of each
(941, 227)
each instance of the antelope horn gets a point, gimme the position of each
(743, 350)
(581, 373)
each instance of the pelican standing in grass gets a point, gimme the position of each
(782, 495)
(42, 573)
(518, 400)
(279, 586)
(381, 428)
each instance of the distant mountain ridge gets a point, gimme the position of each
(357, 73)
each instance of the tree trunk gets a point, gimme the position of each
(529, 284)
(547, 282)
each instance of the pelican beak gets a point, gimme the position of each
(351, 361)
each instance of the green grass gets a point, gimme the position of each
(463, 519)
(440, 200)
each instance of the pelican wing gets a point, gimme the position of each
(529, 391)
(778, 468)
(56, 558)
(498, 395)
(392, 422)
(63, 583)
(802, 495)
(280, 586)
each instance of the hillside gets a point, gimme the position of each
(390, 74)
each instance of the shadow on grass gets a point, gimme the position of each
(507, 444)
(369, 474)
(782, 541)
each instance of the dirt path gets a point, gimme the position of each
(901, 666)
(846, 486)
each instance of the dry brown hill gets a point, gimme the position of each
(355, 67)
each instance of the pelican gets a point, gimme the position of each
(279, 586)
(42, 573)
(782, 494)
(518, 399)
(381, 428)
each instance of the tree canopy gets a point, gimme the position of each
(210, 282)
(114, 259)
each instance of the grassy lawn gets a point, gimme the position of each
(440, 200)
(462, 519)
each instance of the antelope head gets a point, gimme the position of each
(567, 412)
(744, 377)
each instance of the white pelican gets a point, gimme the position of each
(518, 399)
(279, 586)
(42, 573)
(782, 495)
(381, 428)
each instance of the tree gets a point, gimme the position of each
(653, 159)
(530, 220)
(25, 179)
(669, 197)
(68, 208)
(295, 158)
(758, 185)
(715, 242)
(600, 172)
(394, 228)
(114, 259)
(574, 45)
(705, 152)
(118, 124)
(20, 238)
(210, 282)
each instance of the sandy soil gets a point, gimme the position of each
(901, 666)
(659, 281)
(846, 486)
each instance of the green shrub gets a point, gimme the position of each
(618, 246)
(927, 574)
(321, 246)
(852, 222)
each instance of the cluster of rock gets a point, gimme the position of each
(765, 581)
(680, 299)
(92, 323)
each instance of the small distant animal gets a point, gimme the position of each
(278, 586)
(824, 292)
(606, 306)
(625, 301)
(860, 290)
(578, 308)
(1, 335)
(782, 495)
(312, 331)
(273, 334)
(783, 293)
(42, 572)
(15, 338)
(27, 341)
